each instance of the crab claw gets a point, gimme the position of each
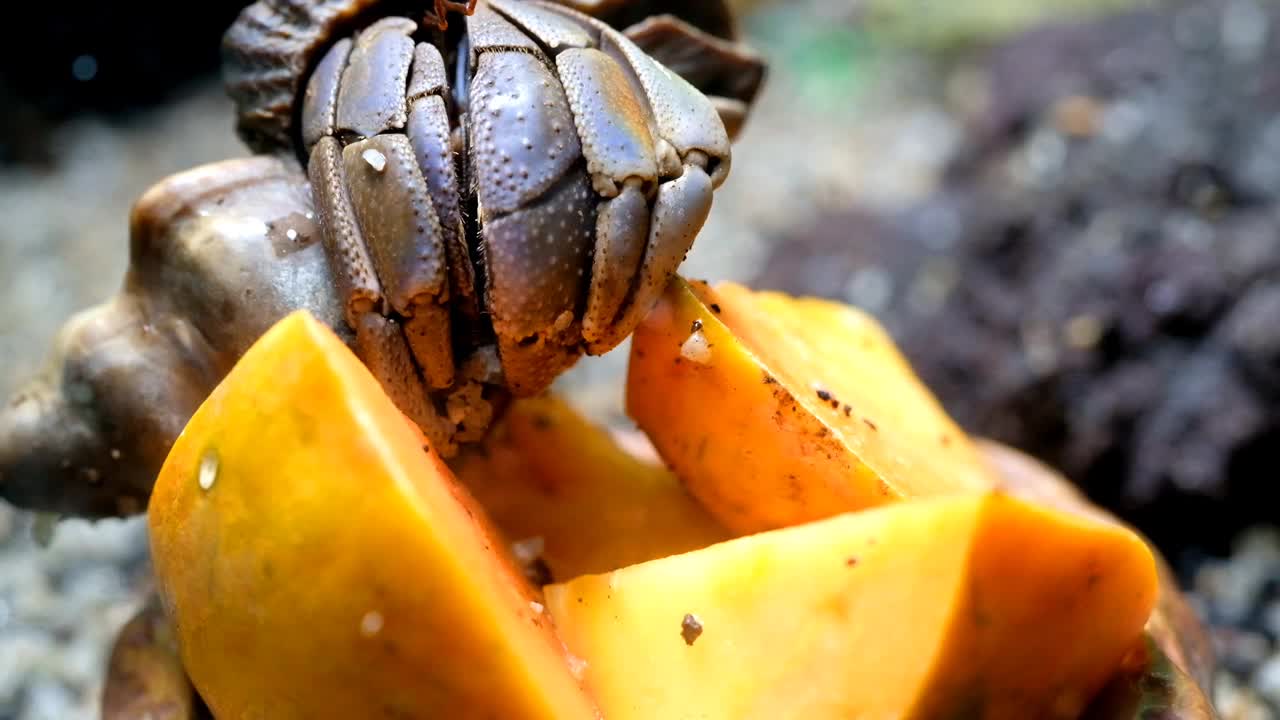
(219, 253)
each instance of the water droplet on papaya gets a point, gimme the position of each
(208, 473)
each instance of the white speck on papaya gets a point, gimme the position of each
(208, 473)
(371, 623)
(696, 349)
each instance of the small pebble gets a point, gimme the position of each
(690, 629)
(577, 666)
(371, 623)
(1077, 116)
(529, 549)
(1271, 620)
(49, 700)
(44, 528)
(870, 288)
(1239, 650)
(7, 521)
(1267, 680)
(696, 349)
(1234, 702)
(1083, 332)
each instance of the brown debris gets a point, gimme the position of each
(690, 629)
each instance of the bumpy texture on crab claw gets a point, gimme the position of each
(218, 255)
(520, 188)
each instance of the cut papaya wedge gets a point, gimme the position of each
(318, 564)
(977, 606)
(777, 411)
(566, 491)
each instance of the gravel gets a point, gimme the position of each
(60, 608)
(63, 247)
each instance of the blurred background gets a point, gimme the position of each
(1067, 213)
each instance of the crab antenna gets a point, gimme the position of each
(440, 16)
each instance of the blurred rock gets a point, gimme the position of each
(1096, 279)
(60, 608)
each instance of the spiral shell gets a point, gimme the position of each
(268, 53)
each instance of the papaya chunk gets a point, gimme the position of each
(969, 606)
(777, 411)
(1171, 671)
(317, 563)
(548, 475)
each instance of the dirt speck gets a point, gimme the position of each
(690, 629)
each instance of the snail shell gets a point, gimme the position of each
(268, 54)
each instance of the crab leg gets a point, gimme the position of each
(641, 126)
(369, 108)
(618, 146)
(537, 211)
(622, 228)
(371, 92)
(407, 248)
(379, 341)
(391, 201)
(679, 213)
(435, 146)
(320, 102)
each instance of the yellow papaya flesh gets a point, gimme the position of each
(777, 411)
(975, 606)
(318, 564)
(548, 476)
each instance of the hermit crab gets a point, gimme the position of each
(473, 194)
